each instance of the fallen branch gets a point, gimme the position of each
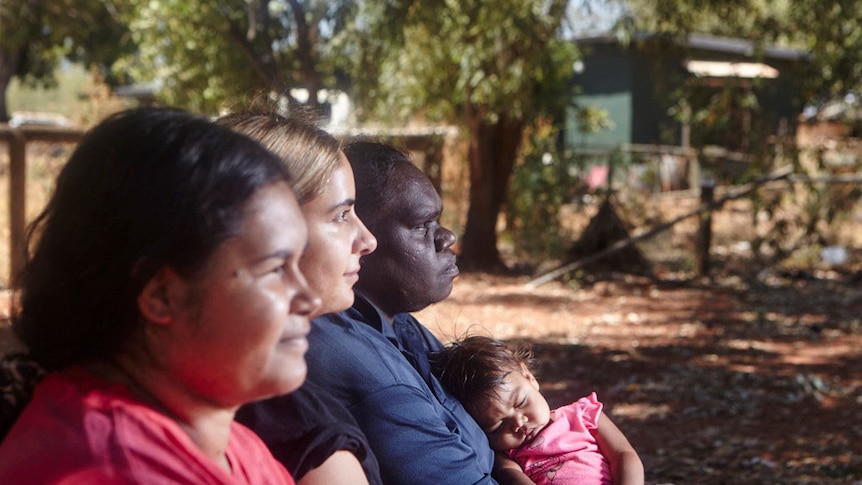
(742, 192)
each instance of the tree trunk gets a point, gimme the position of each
(305, 51)
(4, 109)
(9, 61)
(493, 148)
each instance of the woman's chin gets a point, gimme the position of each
(290, 381)
(336, 303)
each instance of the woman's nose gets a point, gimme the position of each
(443, 239)
(365, 242)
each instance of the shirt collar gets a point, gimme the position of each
(374, 317)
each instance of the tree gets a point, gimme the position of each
(36, 34)
(491, 66)
(209, 52)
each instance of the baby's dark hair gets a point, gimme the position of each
(474, 368)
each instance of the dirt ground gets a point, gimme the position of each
(723, 382)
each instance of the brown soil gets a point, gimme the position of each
(715, 383)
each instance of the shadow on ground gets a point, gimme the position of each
(719, 383)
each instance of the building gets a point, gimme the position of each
(724, 93)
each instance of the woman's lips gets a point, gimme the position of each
(296, 336)
(452, 270)
(298, 343)
(352, 276)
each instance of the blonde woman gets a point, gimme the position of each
(312, 434)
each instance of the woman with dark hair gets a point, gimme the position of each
(163, 292)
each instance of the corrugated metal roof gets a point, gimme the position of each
(728, 45)
(742, 47)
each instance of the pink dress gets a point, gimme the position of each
(81, 429)
(566, 451)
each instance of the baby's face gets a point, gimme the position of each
(519, 414)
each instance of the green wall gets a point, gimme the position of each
(619, 109)
(605, 83)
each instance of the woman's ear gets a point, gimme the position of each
(156, 300)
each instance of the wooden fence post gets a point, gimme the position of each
(17, 139)
(704, 233)
(17, 201)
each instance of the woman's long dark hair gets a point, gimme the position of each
(144, 189)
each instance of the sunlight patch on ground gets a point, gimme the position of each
(641, 411)
(811, 353)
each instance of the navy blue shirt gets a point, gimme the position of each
(419, 433)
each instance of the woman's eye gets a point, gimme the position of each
(343, 216)
(424, 227)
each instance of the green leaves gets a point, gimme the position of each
(216, 52)
(438, 57)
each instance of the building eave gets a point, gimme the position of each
(727, 45)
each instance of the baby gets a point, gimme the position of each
(574, 444)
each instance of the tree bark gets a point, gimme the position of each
(4, 109)
(493, 148)
(263, 66)
(305, 51)
(10, 59)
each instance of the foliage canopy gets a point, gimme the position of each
(35, 35)
(437, 58)
(209, 52)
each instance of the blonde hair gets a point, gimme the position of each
(309, 153)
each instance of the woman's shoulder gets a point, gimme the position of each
(78, 421)
(65, 427)
(74, 398)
